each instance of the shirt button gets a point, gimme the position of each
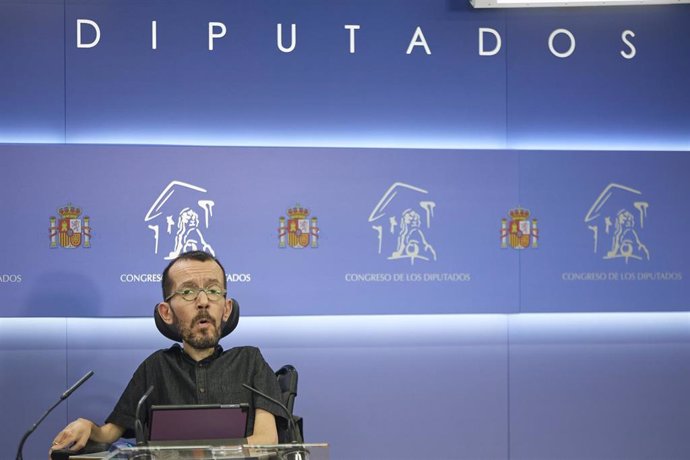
(203, 390)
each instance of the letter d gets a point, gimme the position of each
(93, 24)
(497, 48)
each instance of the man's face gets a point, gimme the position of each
(199, 321)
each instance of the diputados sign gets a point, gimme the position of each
(157, 277)
(10, 278)
(489, 40)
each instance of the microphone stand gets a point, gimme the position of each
(138, 425)
(64, 396)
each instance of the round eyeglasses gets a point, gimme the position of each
(189, 293)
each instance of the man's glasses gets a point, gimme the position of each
(190, 294)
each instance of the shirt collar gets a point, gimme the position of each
(216, 353)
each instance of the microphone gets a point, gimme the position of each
(64, 396)
(138, 425)
(74, 387)
(296, 453)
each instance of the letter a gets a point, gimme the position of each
(418, 40)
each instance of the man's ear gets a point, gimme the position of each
(228, 309)
(165, 312)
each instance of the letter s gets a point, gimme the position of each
(633, 51)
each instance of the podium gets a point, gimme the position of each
(311, 451)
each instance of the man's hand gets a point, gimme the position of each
(74, 436)
(265, 431)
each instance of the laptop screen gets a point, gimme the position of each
(193, 422)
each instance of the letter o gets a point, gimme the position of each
(553, 35)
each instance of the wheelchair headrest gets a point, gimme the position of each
(170, 332)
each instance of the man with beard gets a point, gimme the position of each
(199, 372)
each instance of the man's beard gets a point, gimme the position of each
(207, 338)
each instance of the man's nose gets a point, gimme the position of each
(202, 300)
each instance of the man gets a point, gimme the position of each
(199, 372)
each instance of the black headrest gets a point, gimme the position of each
(170, 332)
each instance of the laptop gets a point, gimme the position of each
(210, 423)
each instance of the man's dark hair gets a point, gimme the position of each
(201, 256)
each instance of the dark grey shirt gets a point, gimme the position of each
(218, 379)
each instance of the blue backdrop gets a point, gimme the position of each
(447, 139)
(340, 85)
(371, 230)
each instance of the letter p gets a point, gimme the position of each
(212, 34)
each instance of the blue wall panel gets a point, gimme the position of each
(599, 386)
(444, 93)
(610, 228)
(602, 233)
(246, 91)
(32, 50)
(596, 97)
(390, 231)
(33, 376)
